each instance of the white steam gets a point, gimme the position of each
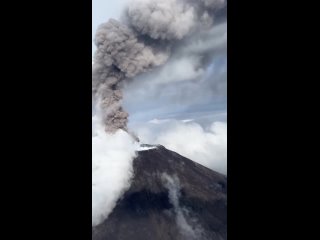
(112, 157)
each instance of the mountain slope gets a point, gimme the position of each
(170, 198)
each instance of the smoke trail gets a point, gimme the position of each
(188, 226)
(141, 42)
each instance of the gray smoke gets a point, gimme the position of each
(119, 56)
(171, 19)
(140, 43)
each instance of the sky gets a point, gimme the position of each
(200, 99)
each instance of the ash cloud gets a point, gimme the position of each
(139, 44)
(167, 20)
(119, 56)
(195, 75)
(171, 19)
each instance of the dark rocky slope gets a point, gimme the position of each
(170, 198)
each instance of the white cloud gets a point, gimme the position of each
(177, 69)
(159, 121)
(112, 157)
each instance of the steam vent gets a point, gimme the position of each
(170, 198)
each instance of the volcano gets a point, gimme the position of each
(170, 198)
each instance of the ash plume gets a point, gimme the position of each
(119, 57)
(139, 43)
